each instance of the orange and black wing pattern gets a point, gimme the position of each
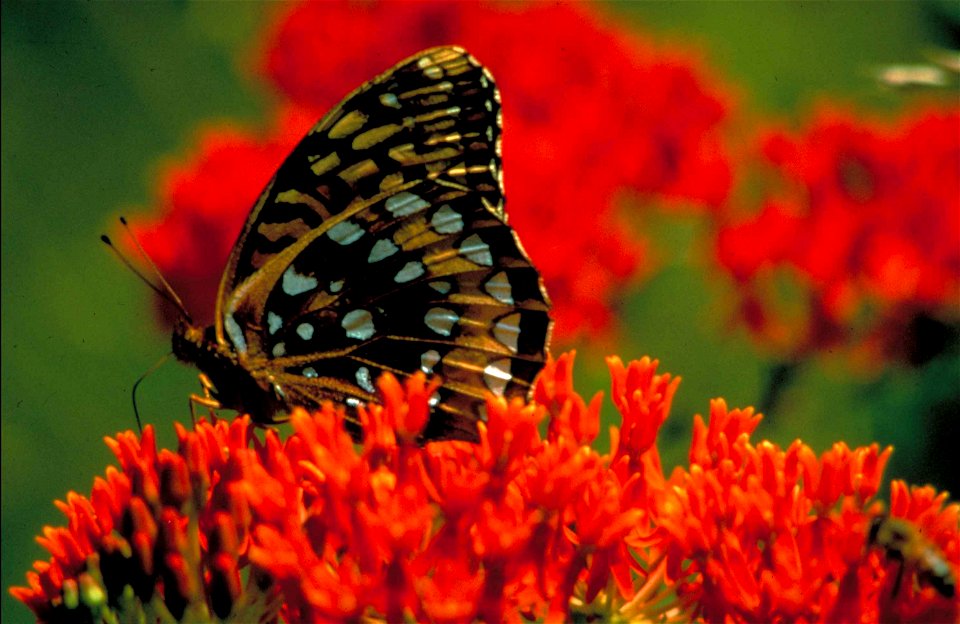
(381, 244)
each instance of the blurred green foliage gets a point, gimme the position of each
(95, 96)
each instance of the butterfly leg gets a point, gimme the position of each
(206, 399)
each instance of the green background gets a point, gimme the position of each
(95, 96)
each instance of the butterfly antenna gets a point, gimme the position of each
(136, 384)
(166, 291)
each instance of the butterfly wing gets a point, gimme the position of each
(381, 245)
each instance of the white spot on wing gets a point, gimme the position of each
(358, 324)
(442, 287)
(447, 220)
(279, 350)
(507, 331)
(476, 250)
(389, 99)
(235, 333)
(336, 286)
(405, 204)
(310, 372)
(294, 284)
(305, 331)
(428, 360)
(274, 322)
(441, 320)
(353, 401)
(434, 399)
(499, 288)
(383, 248)
(410, 271)
(364, 380)
(345, 232)
(496, 375)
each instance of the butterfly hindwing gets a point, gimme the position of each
(381, 245)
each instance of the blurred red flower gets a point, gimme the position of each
(591, 114)
(867, 221)
(517, 527)
(203, 203)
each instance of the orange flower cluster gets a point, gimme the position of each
(522, 525)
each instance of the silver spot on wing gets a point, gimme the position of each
(441, 287)
(441, 320)
(358, 324)
(496, 375)
(274, 322)
(410, 271)
(294, 283)
(364, 380)
(383, 248)
(476, 250)
(389, 99)
(499, 288)
(235, 333)
(446, 220)
(305, 331)
(405, 204)
(345, 232)
(428, 360)
(507, 331)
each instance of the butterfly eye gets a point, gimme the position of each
(381, 245)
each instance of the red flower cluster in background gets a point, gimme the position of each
(867, 220)
(591, 114)
(204, 201)
(518, 527)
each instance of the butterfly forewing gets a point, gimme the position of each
(381, 245)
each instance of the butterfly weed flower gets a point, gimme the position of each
(200, 196)
(878, 263)
(529, 523)
(159, 539)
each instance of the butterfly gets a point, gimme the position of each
(381, 245)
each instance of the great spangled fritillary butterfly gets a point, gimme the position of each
(381, 244)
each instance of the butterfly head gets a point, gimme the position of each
(190, 341)
(228, 383)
